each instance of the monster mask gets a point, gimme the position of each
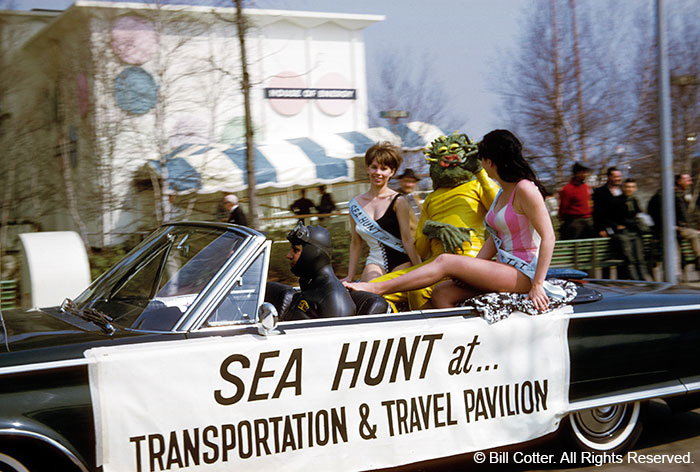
(453, 160)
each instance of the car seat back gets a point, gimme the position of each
(157, 317)
(367, 303)
(280, 295)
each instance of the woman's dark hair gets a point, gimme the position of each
(505, 151)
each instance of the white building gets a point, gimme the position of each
(103, 94)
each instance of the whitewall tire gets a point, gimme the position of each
(10, 464)
(609, 429)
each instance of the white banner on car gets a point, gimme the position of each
(351, 397)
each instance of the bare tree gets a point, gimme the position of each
(413, 87)
(105, 131)
(168, 59)
(245, 85)
(535, 87)
(565, 87)
(684, 57)
(242, 24)
(556, 98)
(77, 163)
(62, 69)
(25, 180)
(179, 72)
(684, 65)
(9, 171)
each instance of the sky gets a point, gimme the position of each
(466, 39)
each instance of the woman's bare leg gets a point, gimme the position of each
(480, 274)
(371, 271)
(423, 276)
(448, 294)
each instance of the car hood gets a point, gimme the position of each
(45, 327)
(626, 295)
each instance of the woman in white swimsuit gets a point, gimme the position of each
(381, 218)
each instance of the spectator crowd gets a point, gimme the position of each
(303, 206)
(613, 210)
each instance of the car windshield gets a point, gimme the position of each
(155, 284)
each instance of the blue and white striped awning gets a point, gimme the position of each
(324, 159)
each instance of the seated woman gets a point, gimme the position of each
(521, 234)
(381, 218)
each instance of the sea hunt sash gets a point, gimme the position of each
(370, 227)
(527, 268)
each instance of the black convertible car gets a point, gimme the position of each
(174, 360)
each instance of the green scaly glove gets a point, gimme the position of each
(451, 237)
(473, 164)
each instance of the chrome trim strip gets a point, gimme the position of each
(465, 310)
(215, 291)
(52, 442)
(220, 289)
(638, 311)
(42, 366)
(627, 397)
(4, 333)
(692, 386)
(213, 224)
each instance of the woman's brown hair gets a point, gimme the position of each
(386, 154)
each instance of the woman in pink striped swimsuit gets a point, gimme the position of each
(521, 235)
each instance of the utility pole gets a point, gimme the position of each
(579, 87)
(394, 116)
(667, 184)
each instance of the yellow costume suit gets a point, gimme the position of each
(463, 206)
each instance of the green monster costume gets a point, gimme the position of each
(453, 215)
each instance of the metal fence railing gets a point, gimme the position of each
(8, 294)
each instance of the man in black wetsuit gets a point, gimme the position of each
(322, 295)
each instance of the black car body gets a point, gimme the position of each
(627, 342)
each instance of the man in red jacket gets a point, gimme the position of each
(575, 212)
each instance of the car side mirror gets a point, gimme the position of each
(268, 318)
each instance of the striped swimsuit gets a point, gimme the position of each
(516, 240)
(517, 235)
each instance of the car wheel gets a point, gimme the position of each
(29, 456)
(608, 429)
(10, 464)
